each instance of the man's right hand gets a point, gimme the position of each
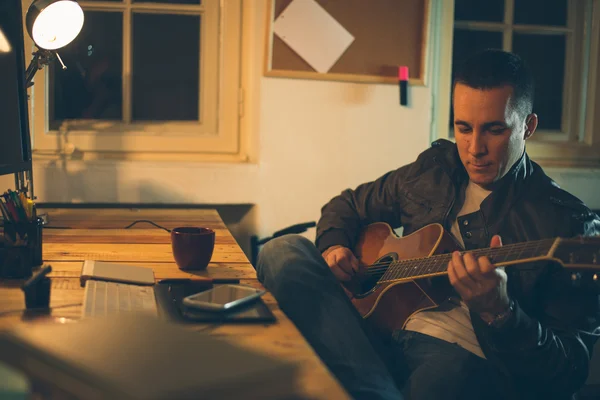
(342, 261)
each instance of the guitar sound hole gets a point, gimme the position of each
(370, 282)
(384, 262)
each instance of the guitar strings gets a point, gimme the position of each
(384, 266)
(421, 259)
(377, 267)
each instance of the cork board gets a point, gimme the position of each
(388, 34)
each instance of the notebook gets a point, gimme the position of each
(116, 272)
(140, 357)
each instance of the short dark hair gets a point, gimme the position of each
(493, 68)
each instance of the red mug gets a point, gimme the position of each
(192, 247)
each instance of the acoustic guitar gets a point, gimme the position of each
(396, 282)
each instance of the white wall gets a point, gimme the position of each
(319, 138)
(311, 139)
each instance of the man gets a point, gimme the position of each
(526, 332)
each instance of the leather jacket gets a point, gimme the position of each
(544, 348)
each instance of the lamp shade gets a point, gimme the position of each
(4, 44)
(53, 24)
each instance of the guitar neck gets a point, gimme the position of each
(436, 265)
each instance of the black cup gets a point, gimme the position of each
(38, 294)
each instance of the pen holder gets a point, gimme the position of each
(21, 250)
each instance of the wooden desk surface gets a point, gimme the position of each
(74, 235)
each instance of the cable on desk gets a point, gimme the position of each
(149, 222)
(7, 312)
(127, 227)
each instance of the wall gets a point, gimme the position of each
(583, 183)
(309, 140)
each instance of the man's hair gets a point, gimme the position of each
(494, 68)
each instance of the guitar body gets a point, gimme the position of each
(388, 306)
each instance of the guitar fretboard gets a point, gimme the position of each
(437, 264)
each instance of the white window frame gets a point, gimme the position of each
(216, 133)
(578, 141)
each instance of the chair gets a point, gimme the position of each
(255, 242)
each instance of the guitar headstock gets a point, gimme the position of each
(581, 256)
(581, 253)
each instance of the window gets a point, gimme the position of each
(559, 39)
(160, 77)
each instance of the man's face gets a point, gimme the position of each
(490, 133)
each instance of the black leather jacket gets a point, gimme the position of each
(545, 347)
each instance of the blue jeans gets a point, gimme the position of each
(408, 365)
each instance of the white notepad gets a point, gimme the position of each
(116, 272)
(313, 34)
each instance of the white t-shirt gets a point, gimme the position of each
(451, 320)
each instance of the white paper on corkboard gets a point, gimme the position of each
(313, 33)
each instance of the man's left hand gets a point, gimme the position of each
(481, 285)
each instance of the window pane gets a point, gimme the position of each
(467, 42)
(478, 10)
(90, 87)
(548, 73)
(170, 1)
(541, 12)
(166, 60)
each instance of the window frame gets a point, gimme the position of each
(216, 133)
(578, 142)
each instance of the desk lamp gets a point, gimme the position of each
(51, 24)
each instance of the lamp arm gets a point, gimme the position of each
(32, 69)
(41, 57)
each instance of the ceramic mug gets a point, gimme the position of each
(192, 247)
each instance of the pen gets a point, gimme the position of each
(193, 280)
(11, 208)
(18, 206)
(4, 212)
(184, 280)
(45, 270)
(23, 201)
(30, 209)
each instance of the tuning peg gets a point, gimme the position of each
(576, 279)
(596, 280)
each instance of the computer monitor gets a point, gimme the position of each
(15, 142)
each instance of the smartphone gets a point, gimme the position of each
(223, 297)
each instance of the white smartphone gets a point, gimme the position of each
(223, 297)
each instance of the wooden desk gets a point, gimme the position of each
(74, 235)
